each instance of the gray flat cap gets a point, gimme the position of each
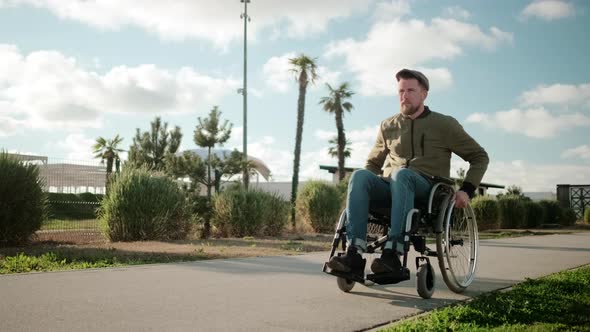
(409, 73)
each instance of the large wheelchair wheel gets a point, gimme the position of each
(457, 247)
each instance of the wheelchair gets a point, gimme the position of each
(454, 231)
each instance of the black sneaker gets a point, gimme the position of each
(351, 262)
(388, 262)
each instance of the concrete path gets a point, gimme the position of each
(257, 294)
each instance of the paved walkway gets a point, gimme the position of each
(256, 294)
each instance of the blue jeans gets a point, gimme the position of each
(369, 191)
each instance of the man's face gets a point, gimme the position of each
(411, 96)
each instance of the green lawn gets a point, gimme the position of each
(559, 302)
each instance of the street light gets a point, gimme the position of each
(244, 92)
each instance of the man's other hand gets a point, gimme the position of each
(461, 199)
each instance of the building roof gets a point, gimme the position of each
(260, 166)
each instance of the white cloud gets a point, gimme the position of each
(280, 77)
(563, 95)
(456, 12)
(548, 10)
(582, 152)
(76, 147)
(533, 122)
(325, 134)
(216, 21)
(9, 126)
(413, 44)
(385, 11)
(535, 176)
(53, 91)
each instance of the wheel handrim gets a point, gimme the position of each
(461, 244)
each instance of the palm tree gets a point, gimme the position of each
(304, 68)
(336, 103)
(333, 150)
(108, 150)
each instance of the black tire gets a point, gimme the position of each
(425, 281)
(457, 247)
(344, 284)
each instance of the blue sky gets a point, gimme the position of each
(514, 73)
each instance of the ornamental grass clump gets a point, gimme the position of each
(23, 204)
(318, 205)
(238, 212)
(511, 211)
(534, 214)
(142, 205)
(486, 212)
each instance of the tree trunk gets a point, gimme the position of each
(341, 144)
(207, 225)
(298, 138)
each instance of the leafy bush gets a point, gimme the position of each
(511, 211)
(486, 212)
(318, 205)
(553, 211)
(587, 215)
(534, 214)
(144, 206)
(239, 212)
(23, 205)
(568, 218)
(73, 206)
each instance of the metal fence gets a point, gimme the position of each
(75, 189)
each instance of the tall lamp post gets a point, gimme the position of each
(244, 92)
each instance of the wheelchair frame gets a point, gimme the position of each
(438, 221)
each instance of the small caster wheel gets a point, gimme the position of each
(344, 284)
(425, 281)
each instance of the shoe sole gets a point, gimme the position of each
(377, 267)
(337, 266)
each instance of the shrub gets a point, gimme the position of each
(486, 212)
(587, 215)
(318, 205)
(23, 205)
(534, 214)
(238, 212)
(144, 206)
(553, 211)
(511, 211)
(568, 218)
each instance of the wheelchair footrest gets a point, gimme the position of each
(390, 277)
(348, 276)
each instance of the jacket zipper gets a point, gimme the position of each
(422, 144)
(412, 141)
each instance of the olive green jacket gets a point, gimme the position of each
(425, 145)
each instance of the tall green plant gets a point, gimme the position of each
(304, 68)
(336, 102)
(150, 148)
(108, 150)
(318, 205)
(144, 206)
(512, 212)
(240, 212)
(535, 214)
(208, 133)
(486, 212)
(23, 204)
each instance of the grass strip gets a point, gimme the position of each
(559, 302)
(54, 261)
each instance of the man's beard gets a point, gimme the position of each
(409, 109)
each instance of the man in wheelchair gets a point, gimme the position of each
(412, 148)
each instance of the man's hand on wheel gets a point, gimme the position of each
(461, 199)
